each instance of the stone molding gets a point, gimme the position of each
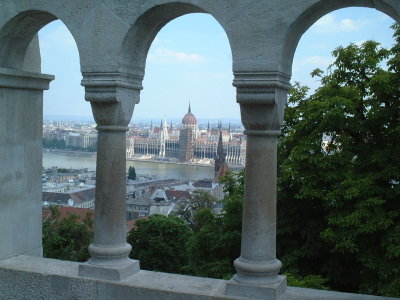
(262, 98)
(259, 87)
(113, 97)
(102, 87)
(257, 272)
(264, 133)
(16, 79)
(112, 128)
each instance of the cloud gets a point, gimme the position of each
(170, 56)
(330, 24)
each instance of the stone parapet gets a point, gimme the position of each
(25, 277)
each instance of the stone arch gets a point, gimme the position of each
(309, 16)
(140, 36)
(17, 34)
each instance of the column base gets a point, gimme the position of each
(272, 291)
(257, 272)
(109, 272)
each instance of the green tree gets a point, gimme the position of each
(159, 242)
(339, 173)
(132, 173)
(92, 148)
(53, 143)
(216, 242)
(67, 239)
(199, 200)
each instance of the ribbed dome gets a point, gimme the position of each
(189, 118)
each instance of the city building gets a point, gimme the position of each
(80, 140)
(187, 144)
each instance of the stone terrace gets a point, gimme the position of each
(113, 38)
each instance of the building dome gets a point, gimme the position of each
(189, 119)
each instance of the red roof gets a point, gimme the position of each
(132, 223)
(189, 119)
(67, 211)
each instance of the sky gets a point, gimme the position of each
(190, 60)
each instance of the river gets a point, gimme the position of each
(153, 169)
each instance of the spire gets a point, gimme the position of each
(220, 158)
(220, 145)
(170, 127)
(189, 110)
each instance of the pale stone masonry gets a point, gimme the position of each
(113, 38)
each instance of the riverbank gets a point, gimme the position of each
(71, 152)
(149, 160)
(183, 172)
(137, 159)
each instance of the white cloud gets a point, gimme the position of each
(170, 56)
(330, 24)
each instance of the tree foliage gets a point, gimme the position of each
(216, 243)
(169, 244)
(53, 144)
(338, 201)
(159, 242)
(199, 200)
(132, 173)
(67, 239)
(60, 144)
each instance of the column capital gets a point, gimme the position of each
(113, 97)
(262, 98)
(263, 133)
(16, 79)
(104, 87)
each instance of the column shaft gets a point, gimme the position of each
(110, 251)
(259, 210)
(110, 227)
(257, 263)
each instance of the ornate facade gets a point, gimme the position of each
(187, 144)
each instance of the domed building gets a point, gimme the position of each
(190, 121)
(188, 143)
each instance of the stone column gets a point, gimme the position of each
(21, 134)
(112, 97)
(262, 98)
